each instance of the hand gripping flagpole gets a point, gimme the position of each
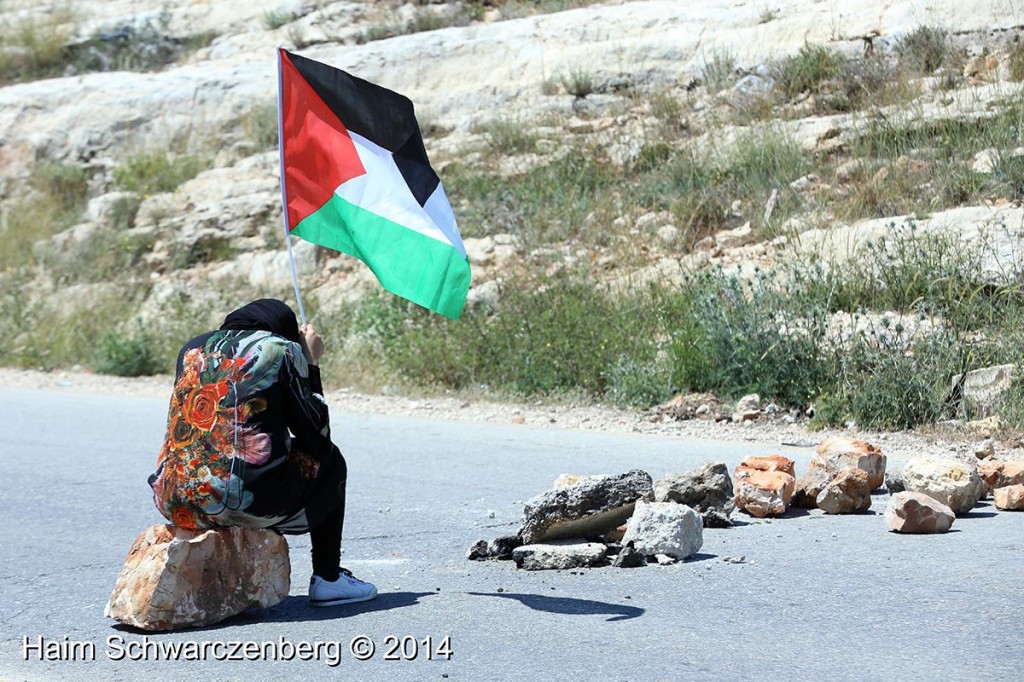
(284, 196)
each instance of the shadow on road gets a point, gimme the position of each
(568, 605)
(699, 556)
(296, 609)
(978, 515)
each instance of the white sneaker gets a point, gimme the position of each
(347, 589)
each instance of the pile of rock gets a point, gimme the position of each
(839, 480)
(630, 520)
(627, 520)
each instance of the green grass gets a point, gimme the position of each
(578, 81)
(34, 47)
(275, 19)
(507, 135)
(152, 172)
(773, 334)
(718, 70)
(925, 49)
(807, 70)
(928, 166)
(58, 203)
(260, 127)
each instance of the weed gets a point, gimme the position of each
(767, 15)
(925, 49)
(578, 81)
(32, 48)
(509, 135)
(150, 173)
(275, 19)
(58, 205)
(669, 111)
(127, 356)
(1015, 61)
(64, 184)
(260, 126)
(808, 70)
(718, 70)
(379, 32)
(147, 47)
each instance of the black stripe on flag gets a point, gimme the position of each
(378, 114)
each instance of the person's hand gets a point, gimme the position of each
(312, 344)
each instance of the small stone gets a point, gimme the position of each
(1009, 498)
(910, 512)
(629, 557)
(502, 547)
(984, 449)
(664, 559)
(847, 493)
(558, 555)
(702, 410)
(478, 551)
(518, 419)
(175, 578)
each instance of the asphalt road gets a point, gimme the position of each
(817, 597)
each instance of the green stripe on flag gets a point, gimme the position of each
(424, 270)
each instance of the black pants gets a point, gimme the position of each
(326, 540)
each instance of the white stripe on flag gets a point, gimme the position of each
(383, 191)
(440, 210)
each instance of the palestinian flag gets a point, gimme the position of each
(355, 178)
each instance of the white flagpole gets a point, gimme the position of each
(284, 197)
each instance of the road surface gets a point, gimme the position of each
(816, 597)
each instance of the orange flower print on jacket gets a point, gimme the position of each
(210, 435)
(202, 405)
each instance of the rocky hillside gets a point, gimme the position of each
(625, 143)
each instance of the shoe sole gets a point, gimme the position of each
(339, 602)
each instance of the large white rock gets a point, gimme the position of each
(175, 578)
(951, 482)
(665, 528)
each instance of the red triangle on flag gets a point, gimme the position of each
(318, 155)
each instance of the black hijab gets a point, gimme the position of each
(266, 314)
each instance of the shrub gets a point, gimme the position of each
(882, 385)
(150, 173)
(127, 356)
(65, 185)
(260, 126)
(734, 337)
(274, 19)
(32, 48)
(718, 70)
(808, 70)
(507, 135)
(578, 81)
(925, 49)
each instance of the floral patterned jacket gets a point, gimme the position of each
(248, 436)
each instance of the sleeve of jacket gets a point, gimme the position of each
(308, 419)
